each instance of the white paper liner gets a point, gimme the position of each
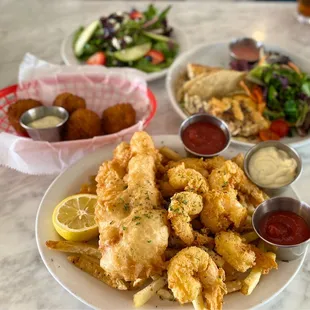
(99, 86)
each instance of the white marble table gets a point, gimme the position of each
(38, 26)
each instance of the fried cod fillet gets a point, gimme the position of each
(132, 225)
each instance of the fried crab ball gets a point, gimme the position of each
(118, 117)
(82, 124)
(16, 110)
(69, 102)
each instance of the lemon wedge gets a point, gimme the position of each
(74, 218)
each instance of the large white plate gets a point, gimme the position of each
(69, 58)
(98, 295)
(217, 55)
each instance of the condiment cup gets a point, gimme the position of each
(241, 41)
(283, 252)
(51, 134)
(272, 191)
(206, 118)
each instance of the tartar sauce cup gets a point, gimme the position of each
(205, 118)
(50, 134)
(280, 146)
(283, 252)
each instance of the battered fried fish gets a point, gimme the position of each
(132, 225)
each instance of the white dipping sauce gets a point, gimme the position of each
(46, 122)
(272, 167)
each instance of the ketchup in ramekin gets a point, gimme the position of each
(204, 138)
(284, 228)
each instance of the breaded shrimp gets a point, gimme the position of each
(221, 209)
(192, 272)
(265, 260)
(214, 163)
(197, 164)
(230, 175)
(234, 251)
(181, 178)
(183, 207)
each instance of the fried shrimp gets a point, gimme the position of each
(214, 163)
(230, 175)
(181, 178)
(221, 210)
(235, 252)
(197, 164)
(183, 207)
(192, 273)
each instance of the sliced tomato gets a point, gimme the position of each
(267, 134)
(280, 127)
(156, 56)
(96, 59)
(135, 15)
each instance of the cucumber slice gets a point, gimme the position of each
(133, 53)
(157, 37)
(85, 37)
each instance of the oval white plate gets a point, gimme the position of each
(217, 55)
(98, 295)
(69, 58)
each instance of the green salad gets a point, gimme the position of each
(140, 40)
(286, 91)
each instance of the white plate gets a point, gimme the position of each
(217, 55)
(98, 295)
(69, 58)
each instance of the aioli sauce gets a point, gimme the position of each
(284, 228)
(204, 138)
(46, 122)
(272, 167)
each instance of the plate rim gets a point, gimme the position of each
(84, 301)
(149, 77)
(194, 50)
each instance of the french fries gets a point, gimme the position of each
(250, 236)
(140, 298)
(233, 286)
(74, 247)
(198, 303)
(170, 154)
(251, 281)
(91, 266)
(165, 294)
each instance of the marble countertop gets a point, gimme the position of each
(39, 27)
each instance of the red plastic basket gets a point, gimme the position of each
(8, 96)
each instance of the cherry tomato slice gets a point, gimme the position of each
(280, 127)
(96, 59)
(135, 15)
(267, 134)
(156, 56)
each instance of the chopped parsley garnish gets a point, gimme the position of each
(149, 241)
(138, 223)
(111, 222)
(126, 206)
(124, 228)
(136, 218)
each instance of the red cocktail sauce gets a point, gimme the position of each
(284, 228)
(204, 138)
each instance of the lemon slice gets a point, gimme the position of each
(74, 218)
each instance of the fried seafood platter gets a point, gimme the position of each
(172, 226)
